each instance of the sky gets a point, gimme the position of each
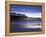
(30, 11)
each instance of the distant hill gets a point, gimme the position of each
(22, 15)
(18, 15)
